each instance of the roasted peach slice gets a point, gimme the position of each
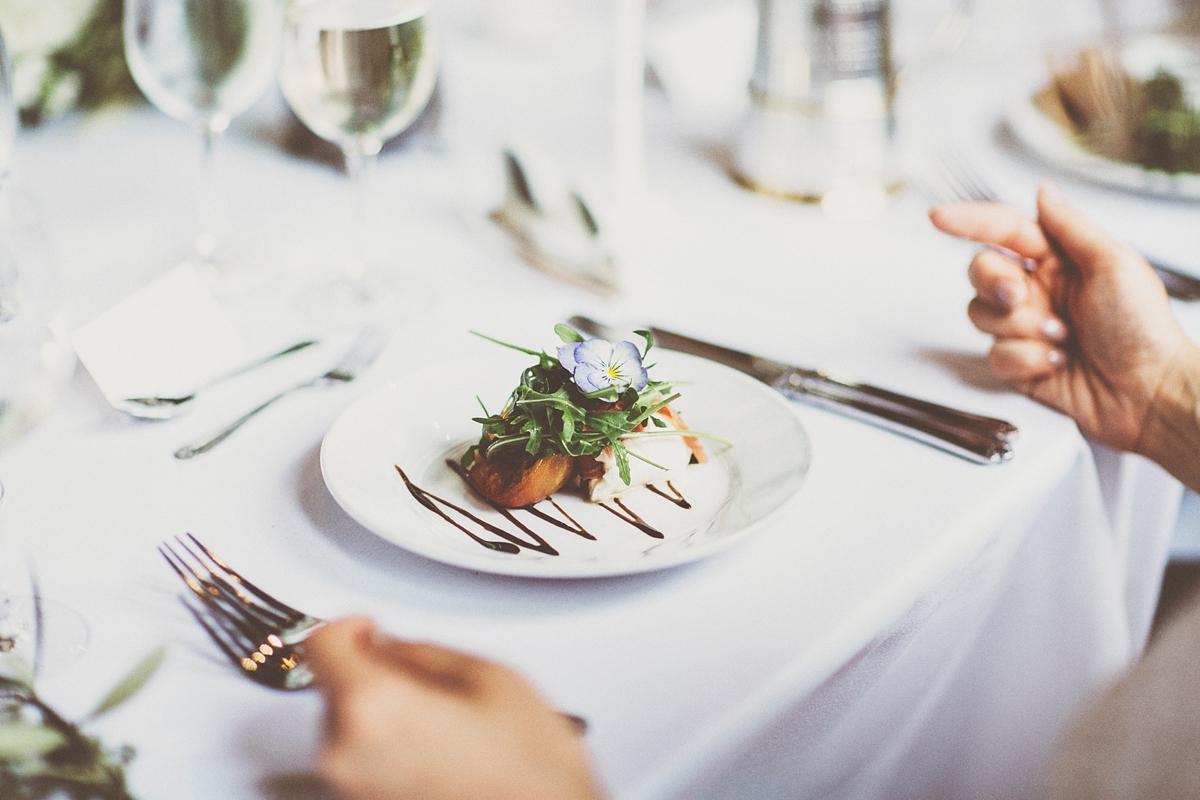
(517, 485)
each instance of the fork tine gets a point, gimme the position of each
(963, 181)
(249, 650)
(214, 591)
(193, 581)
(218, 635)
(219, 584)
(280, 608)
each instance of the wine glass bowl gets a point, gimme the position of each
(358, 72)
(203, 62)
(45, 636)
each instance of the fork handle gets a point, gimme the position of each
(211, 440)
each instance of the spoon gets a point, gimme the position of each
(168, 407)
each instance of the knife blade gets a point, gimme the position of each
(977, 438)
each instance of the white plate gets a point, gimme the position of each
(419, 421)
(1052, 143)
(1142, 56)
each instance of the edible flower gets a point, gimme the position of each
(597, 365)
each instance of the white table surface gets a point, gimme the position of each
(912, 626)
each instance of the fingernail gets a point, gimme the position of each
(1051, 192)
(1056, 357)
(1010, 294)
(1054, 330)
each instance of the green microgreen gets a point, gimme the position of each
(548, 414)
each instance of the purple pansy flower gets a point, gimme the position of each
(597, 365)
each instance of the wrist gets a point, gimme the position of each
(1171, 432)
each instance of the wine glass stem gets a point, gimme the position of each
(210, 201)
(360, 167)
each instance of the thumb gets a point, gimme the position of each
(339, 653)
(1080, 240)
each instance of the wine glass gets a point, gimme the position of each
(36, 360)
(8, 136)
(203, 62)
(358, 72)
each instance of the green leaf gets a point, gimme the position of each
(622, 462)
(509, 346)
(15, 668)
(12, 685)
(132, 683)
(20, 741)
(649, 337)
(567, 333)
(91, 774)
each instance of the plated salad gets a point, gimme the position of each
(588, 417)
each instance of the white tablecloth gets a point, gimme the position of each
(912, 626)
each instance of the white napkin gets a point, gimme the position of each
(166, 339)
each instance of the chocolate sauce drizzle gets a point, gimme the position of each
(430, 501)
(675, 496)
(513, 543)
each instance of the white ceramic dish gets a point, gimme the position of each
(417, 422)
(1141, 56)
(1053, 144)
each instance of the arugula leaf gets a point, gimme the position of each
(649, 337)
(549, 415)
(567, 333)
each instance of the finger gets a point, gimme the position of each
(994, 223)
(1085, 244)
(1024, 322)
(1025, 359)
(337, 653)
(436, 666)
(998, 281)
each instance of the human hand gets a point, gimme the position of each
(1089, 331)
(410, 721)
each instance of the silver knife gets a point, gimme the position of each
(983, 440)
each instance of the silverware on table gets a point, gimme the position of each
(553, 226)
(983, 440)
(256, 632)
(360, 355)
(261, 636)
(965, 183)
(167, 407)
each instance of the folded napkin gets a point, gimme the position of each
(553, 225)
(166, 339)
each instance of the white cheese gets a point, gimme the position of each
(669, 452)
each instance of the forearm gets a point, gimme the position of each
(1171, 433)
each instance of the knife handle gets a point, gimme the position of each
(983, 440)
(1179, 285)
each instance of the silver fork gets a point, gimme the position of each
(965, 183)
(159, 407)
(256, 632)
(360, 355)
(260, 635)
